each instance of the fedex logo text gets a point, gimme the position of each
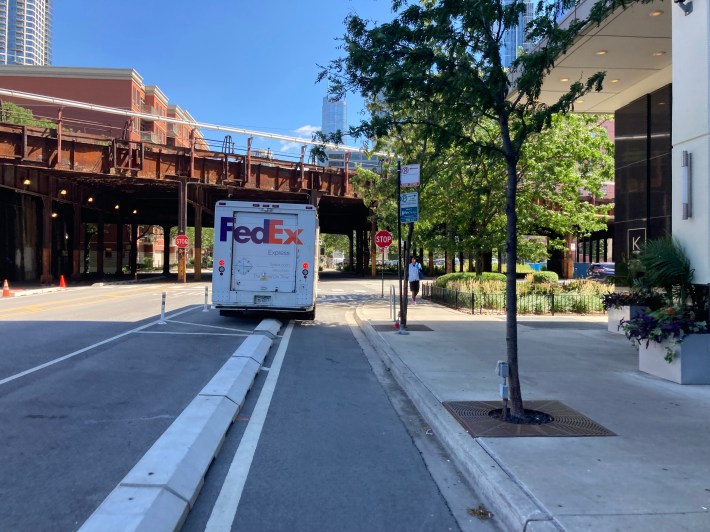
(272, 232)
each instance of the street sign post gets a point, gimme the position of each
(182, 241)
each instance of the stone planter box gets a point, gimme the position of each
(691, 365)
(617, 314)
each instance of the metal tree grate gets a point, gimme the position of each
(474, 417)
(410, 327)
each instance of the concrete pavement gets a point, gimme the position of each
(653, 474)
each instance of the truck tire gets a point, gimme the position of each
(310, 315)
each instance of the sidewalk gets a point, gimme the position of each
(652, 474)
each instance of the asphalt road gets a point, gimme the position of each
(88, 382)
(326, 440)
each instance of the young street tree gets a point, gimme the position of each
(446, 54)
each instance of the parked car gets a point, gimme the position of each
(601, 270)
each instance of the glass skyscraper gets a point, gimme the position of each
(334, 116)
(334, 119)
(26, 32)
(514, 39)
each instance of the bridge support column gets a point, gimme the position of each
(182, 219)
(76, 243)
(198, 243)
(360, 254)
(100, 247)
(46, 277)
(352, 251)
(166, 250)
(119, 247)
(133, 256)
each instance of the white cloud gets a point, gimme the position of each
(289, 146)
(305, 132)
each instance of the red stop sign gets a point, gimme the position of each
(182, 241)
(383, 239)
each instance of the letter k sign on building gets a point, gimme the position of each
(636, 238)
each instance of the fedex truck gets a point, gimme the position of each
(265, 257)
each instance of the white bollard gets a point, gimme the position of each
(206, 292)
(162, 312)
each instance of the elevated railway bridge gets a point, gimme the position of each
(54, 183)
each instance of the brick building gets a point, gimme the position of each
(112, 87)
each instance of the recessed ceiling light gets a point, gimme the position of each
(63, 192)
(90, 199)
(117, 206)
(659, 53)
(613, 81)
(656, 13)
(564, 79)
(601, 52)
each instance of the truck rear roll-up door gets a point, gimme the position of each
(264, 252)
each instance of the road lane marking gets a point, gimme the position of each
(193, 333)
(225, 509)
(247, 331)
(84, 350)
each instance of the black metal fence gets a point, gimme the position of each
(526, 303)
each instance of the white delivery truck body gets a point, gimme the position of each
(265, 257)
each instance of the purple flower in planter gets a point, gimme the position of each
(668, 323)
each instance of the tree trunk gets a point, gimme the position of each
(479, 261)
(511, 313)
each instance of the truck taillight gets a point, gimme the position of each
(221, 262)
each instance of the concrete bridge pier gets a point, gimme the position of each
(46, 277)
(198, 242)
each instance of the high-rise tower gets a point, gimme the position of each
(334, 116)
(334, 119)
(515, 38)
(26, 32)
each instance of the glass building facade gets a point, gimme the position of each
(643, 172)
(334, 116)
(514, 39)
(26, 32)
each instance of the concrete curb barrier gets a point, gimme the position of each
(269, 327)
(159, 491)
(140, 509)
(511, 504)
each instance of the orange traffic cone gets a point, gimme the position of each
(6, 289)
(62, 282)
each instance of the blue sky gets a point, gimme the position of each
(250, 65)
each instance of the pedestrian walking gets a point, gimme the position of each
(414, 273)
